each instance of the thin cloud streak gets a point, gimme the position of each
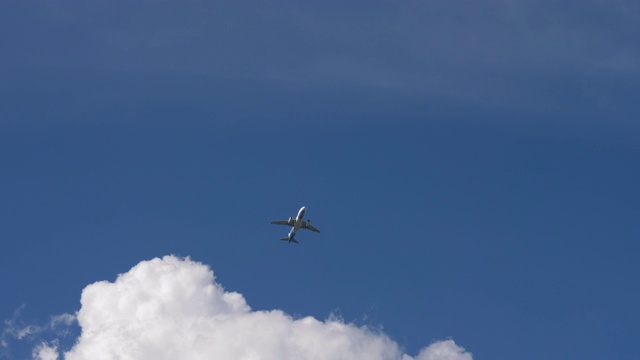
(502, 53)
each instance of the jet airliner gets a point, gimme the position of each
(296, 224)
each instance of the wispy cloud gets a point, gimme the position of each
(497, 52)
(487, 50)
(16, 329)
(505, 54)
(60, 324)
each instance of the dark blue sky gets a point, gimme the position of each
(474, 168)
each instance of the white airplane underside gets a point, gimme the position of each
(296, 224)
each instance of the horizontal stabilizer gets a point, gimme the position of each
(289, 240)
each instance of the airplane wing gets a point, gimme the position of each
(283, 222)
(308, 226)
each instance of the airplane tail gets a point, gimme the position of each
(289, 240)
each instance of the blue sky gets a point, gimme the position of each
(474, 168)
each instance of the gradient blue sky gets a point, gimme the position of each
(473, 166)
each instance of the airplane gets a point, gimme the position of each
(296, 224)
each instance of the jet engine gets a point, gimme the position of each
(290, 219)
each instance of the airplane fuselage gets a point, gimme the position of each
(297, 224)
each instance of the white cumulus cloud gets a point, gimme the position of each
(444, 350)
(45, 351)
(172, 308)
